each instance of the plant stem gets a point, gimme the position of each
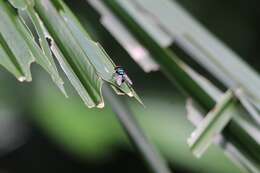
(137, 137)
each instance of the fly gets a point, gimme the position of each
(121, 76)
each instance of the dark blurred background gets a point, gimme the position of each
(41, 131)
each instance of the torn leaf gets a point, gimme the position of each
(212, 124)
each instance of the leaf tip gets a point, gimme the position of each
(101, 105)
(21, 78)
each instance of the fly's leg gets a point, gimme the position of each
(128, 79)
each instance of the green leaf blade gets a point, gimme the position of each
(8, 61)
(10, 27)
(22, 4)
(212, 124)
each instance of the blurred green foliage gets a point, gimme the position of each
(95, 134)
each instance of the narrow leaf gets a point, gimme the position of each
(212, 124)
(22, 4)
(7, 59)
(139, 54)
(45, 61)
(237, 155)
(11, 29)
(154, 160)
(73, 77)
(97, 57)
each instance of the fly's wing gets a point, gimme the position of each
(119, 80)
(128, 79)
